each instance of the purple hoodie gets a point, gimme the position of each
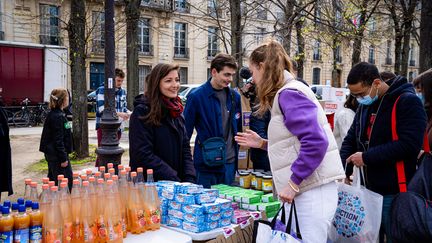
(300, 117)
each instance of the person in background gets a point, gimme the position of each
(56, 140)
(304, 158)
(214, 110)
(369, 141)
(157, 134)
(344, 118)
(120, 106)
(387, 75)
(5, 155)
(423, 85)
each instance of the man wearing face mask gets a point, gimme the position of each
(369, 141)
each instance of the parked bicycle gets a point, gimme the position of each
(28, 116)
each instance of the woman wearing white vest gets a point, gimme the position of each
(304, 157)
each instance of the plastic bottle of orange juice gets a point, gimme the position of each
(123, 190)
(65, 207)
(21, 225)
(6, 226)
(120, 205)
(28, 206)
(100, 220)
(135, 209)
(152, 203)
(35, 224)
(112, 215)
(45, 180)
(111, 171)
(44, 199)
(34, 195)
(27, 188)
(76, 209)
(53, 221)
(88, 228)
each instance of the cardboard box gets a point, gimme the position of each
(333, 106)
(243, 156)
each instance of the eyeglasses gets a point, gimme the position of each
(362, 94)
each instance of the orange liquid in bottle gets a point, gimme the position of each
(6, 226)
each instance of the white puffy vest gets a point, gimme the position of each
(284, 147)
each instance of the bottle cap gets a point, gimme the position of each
(102, 168)
(15, 206)
(114, 177)
(63, 184)
(65, 180)
(123, 172)
(110, 165)
(89, 172)
(84, 177)
(7, 203)
(28, 203)
(45, 180)
(54, 188)
(75, 174)
(45, 186)
(107, 175)
(133, 174)
(100, 181)
(97, 174)
(21, 208)
(60, 177)
(149, 171)
(51, 183)
(111, 170)
(128, 169)
(5, 210)
(140, 169)
(33, 184)
(85, 183)
(76, 182)
(92, 179)
(120, 167)
(35, 205)
(27, 181)
(20, 200)
(109, 182)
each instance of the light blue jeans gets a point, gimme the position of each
(386, 220)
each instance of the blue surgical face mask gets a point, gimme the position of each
(421, 97)
(367, 100)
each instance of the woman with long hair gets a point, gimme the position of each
(304, 158)
(56, 140)
(157, 134)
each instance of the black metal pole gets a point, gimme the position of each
(109, 151)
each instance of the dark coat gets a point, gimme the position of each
(259, 125)
(164, 148)
(381, 154)
(56, 140)
(5, 155)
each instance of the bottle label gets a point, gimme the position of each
(141, 219)
(21, 235)
(36, 234)
(112, 235)
(89, 232)
(267, 186)
(123, 224)
(52, 236)
(6, 237)
(241, 182)
(102, 231)
(68, 231)
(155, 216)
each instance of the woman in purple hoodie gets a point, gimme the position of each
(304, 157)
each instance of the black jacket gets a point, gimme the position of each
(381, 154)
(259, 125)
(56, 137)
(5, 155)
(164, 148)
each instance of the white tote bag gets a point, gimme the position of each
(358, 214)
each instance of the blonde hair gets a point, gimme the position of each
(273, 58)
(57, 98)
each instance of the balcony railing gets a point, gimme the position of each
(98, 46)
(146, 50)
(181, 52)
(412, 63)
(182, 7)
(211, 54)
(50, 40)
(158, 5)
(388, 61)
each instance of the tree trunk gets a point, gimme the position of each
(236, 37)
(405, 48)
(398, 52)
(76, 33)
(426, 36)
(335, 77)
(359, 32)
(287, 25)
(301, 48)
(132, 11)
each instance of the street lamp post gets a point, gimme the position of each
(109, 151)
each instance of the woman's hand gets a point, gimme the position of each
(287, 194)
(64, 164)
(249, 139)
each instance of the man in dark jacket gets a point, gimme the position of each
(5, 155)
(214, 110)
(369, 141)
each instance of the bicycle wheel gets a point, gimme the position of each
(22, 119)
(9, 115)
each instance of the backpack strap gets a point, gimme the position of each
(400, 167)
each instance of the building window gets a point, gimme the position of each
(280, 15)
(338, 18)
(317, 50)
(371, 58)
(317, 14)
(316, 73)
(261, 13)
(243, 8)
(411, 76)
(338, 53)
(98, 33)
(180, 49)
(182, 6)
(212, 9)
(145, 47)
(212, 48)
(388, 53)
(49, 25)
(372, 26)
(259, 35)
(143, 71)
(411, 56)
(183, 75)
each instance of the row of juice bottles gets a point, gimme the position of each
(101, 207)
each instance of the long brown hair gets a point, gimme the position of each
(153, 94)
(272, 57)
(57, 98)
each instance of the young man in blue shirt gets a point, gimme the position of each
(214, 110)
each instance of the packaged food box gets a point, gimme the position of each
(211, 208)
(204, 198)
(268, 198)
(212, 192)
(251, 199)
(168, 194)
(175, 214)
(224, 203)
(175, 222)
(211, 225)
(224, 222)
(191, 227)
(271, 206)
(193, 209)
(227, 213)
(193, 218)
(185, 199)
(212, 217)
(175, 205)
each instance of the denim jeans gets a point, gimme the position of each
(386, 220)
(207, 179)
